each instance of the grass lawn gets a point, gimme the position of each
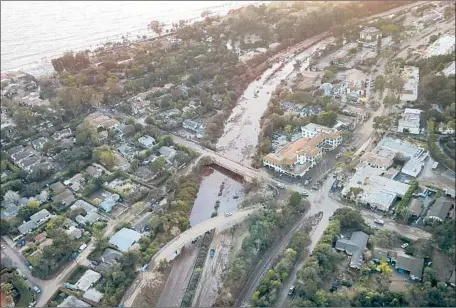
(26, 295)
(77, 273)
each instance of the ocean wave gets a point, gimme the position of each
(33, 34)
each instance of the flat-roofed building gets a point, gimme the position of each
(411, 76)
(410, 121)
(444, 45)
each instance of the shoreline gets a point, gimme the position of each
(43, 66)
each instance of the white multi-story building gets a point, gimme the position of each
(411, 76)
(297, 157)
(369, 36)
(410, 122)
(443, 46)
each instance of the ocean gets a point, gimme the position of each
(34, 32)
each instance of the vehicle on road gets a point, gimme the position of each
(82, 247)
(3, 247)
(291, 290)
(228, 214)
(405, 245)
(280, 185)
(304, 193)
(379, 221)
(212, 252)
(36, 289)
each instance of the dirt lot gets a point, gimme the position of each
(442, 265)
(399, 283)
(151, 292)
(178, 279)
(225, 244)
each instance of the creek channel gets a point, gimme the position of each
(241, 137)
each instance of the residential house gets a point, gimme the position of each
(354, 247)
(124, 239)
(38, 144)
(126, 150)
(73, 302)
(167, 152)
(57, 187)
(93, 296)
(66, 198)
(75, 183)
(146, 141)
(401, 261)
(450, 69)
(125, 130)
(94, 172)
(440, 209)
(64, 133)
(414, 266)
(34, 221)
(90, 216)
(410, 122)
(74, 233)
(101, 121)
(111, 256)
(88, 280)
(109, 202)
(195, 127)
(145, 173)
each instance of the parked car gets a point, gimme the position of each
(280, 185)
(379, 221)
(37, 289)
(405, 245)
(291, 290)
(3, 247)
(228, 214)
(305, 193)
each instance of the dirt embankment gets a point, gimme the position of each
(226, 244)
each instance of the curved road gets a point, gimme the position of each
(167, 252)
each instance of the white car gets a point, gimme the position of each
(280, 185)
(405, 245)
(3, 247)
(228, 214)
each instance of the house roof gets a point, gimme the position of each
(413, 265)
(92, 171)
(93, 295)
(27, 226)
(87, 280)
(124, 238)
(109, 202)
(354, 247)
(111, 255)
(440, 208)
(40, 237)
(167, 151)
(57, 187)
(72, 301)
(40, 215)
(65, 196)
(146, 140)
(88, 208)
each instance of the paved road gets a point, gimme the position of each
(168, 251)
(219, 223)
